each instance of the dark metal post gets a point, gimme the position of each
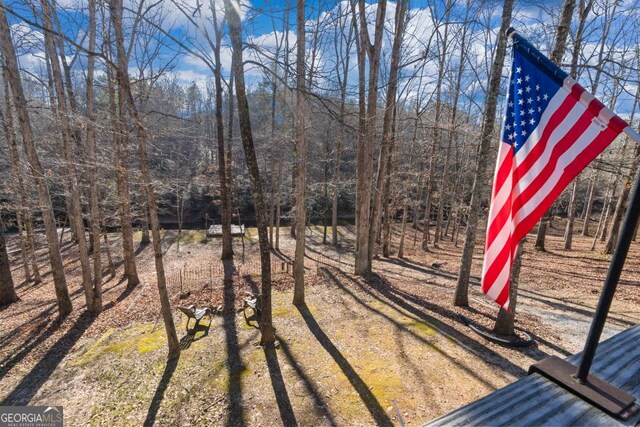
(610, 283)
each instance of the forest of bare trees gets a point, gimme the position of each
(379, 115)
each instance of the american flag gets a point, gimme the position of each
(552, 129)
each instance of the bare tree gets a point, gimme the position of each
(387, 125)
(301, 158)
(19, 182)
(118, 124)
(126, 98)
(76, 217)
(366, 125)
(557, 53)
(266, 324)
(44, 198)
(343, 43)
(94, 202)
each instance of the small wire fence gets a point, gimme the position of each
(211, 275)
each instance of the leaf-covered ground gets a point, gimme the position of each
(385, 349)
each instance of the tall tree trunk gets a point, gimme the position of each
(107, 247)
(389, 218)
(568, 234)
(437, 131)
(367, 129)
(301, 158)
(229, 156)
(461, 297)
(626, 186)
(145, 237)
(589, 205)
(44, 198)
(124, 91)
(120, 137)
(18, 177)
(94, 197)
(505, 321)
(556, 56)
(235, 33)
(225, 216)
(603, 213)
(387, 125)
(76, 218)
(584, 8)
(17, 183)
(342, 70)
(7, 290)
(278, 204)
(617, 216)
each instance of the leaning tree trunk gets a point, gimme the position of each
(461, 297)
(23, 214)
(235, 33)
(301, 161)
(44, 197)
(7, 290)
(124, 91)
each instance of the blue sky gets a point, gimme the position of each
(263, 24)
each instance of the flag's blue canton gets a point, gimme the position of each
(530, 91)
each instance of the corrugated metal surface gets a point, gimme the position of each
(535, 401)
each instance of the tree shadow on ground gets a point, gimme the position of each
(169, 369)
(235, 415)
(399, 326)
(287, 416)
(418, 307)
(34, 340)
(575, 307)
(40, 373)
(370, 401)
(425, 270)
(400, 301)
(141, 247)
(320, 405)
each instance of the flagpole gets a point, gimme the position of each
(613, 275)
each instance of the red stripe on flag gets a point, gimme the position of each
(503, 298)
(571, 171)
(503, 172)
(495, 267)
(554, 121)
(562, 146)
